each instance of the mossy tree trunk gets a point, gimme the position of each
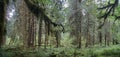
(26, 24)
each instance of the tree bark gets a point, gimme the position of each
(100, 38)
(27, 24)
(40, 32)
(2, 22)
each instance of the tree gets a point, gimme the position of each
(39, 11)
(109, 11)
(26, 24)
(77, 19)
(2, 22)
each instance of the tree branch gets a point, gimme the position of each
(110, 9)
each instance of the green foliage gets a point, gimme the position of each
(44, 1)
(107, 51)
(67, 49)
(66, 41)
(112, 51)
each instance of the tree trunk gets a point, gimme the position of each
(46, 34)
(40, 32)
(57, 35)
(26, 24)
(100, 38)
(2, 22)
(105, 39)
(94, 35)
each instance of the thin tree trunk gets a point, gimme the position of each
(40, 32)
(94, 35)
(57, 35)
(46, 34)
(80, 41)
(100, 38)
(105, 39)
(29, 35)
(80, 32)
(80, 35)
(88, 36)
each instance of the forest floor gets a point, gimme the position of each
(109, 51)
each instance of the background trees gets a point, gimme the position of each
(59, 23)
(40, 21)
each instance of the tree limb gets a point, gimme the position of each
(110, 9)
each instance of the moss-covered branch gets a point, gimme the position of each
(110, 9)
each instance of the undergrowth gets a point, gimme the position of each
(111, 51)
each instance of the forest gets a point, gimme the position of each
(59, 28)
